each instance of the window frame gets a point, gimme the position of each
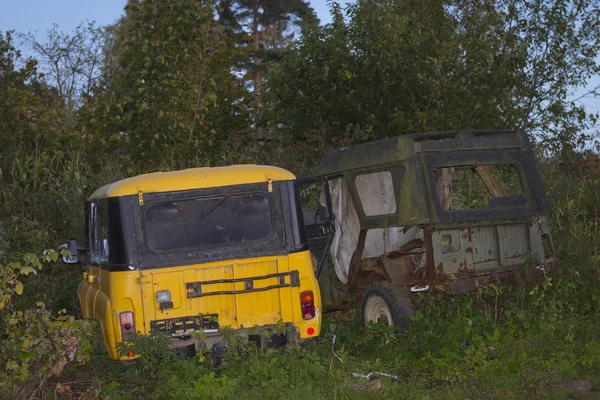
(327, 195)
(471, 168)
(394, 192)
(96, 215)
(527, 207)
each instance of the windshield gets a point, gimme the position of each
(207, 221)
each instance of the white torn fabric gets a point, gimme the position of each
(377, 196)
(376, 192)
(347, 228)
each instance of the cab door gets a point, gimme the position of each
(318, 217)
(89, 288)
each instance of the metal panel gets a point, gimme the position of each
(222, 305)
(514, 243)
(258, 308)
(483, 249)
(245, 310)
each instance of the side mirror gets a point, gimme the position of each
(72, 258)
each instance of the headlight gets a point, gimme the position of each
(163, 296)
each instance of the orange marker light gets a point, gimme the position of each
(131, 353)
(307, 301)
(307, 297)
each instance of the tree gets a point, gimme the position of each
(268, 24)
(400, 67)
(169, 97)
(71, 62)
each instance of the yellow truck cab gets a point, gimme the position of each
(201, 249)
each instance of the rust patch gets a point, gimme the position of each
(469, 249)
(429, 253)
(398, 270)
(440, 267)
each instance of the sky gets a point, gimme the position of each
(39, 15)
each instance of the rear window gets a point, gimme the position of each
(475, 187)
(208, 221)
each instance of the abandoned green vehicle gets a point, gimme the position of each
(445, 211)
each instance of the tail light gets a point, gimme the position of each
(127, 327)
(307, 299)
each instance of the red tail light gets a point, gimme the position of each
(307, 299)
(127, 326)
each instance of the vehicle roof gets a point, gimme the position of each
(192, 178)
(402, 147)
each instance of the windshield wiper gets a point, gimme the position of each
(206, 214)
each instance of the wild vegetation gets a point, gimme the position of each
(186, 83)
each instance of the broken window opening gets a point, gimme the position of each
(313, 201)
(470, 187)
(376, 193)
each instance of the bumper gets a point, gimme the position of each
(217, 343)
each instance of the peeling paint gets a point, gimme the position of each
(478, 246)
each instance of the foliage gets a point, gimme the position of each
(401, 67)
(171, 99)
(265, 27)
(71, 62)
(35, 344)
(167, 87)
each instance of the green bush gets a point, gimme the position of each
(35, 343)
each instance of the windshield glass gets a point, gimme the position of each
(207, 221)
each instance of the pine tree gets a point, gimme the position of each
(268, 28)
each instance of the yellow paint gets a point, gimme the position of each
(192, 178)
(135, 291)
(103, 295)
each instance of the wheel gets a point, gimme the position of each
(391, 305)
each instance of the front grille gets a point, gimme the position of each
(185, 325)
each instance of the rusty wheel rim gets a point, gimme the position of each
(377, 311)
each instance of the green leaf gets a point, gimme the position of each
(19, 288)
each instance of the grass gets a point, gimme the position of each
(510, 341)
(457, 347)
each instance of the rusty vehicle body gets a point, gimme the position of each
(404, 219)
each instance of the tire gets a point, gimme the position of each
(387, 304)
